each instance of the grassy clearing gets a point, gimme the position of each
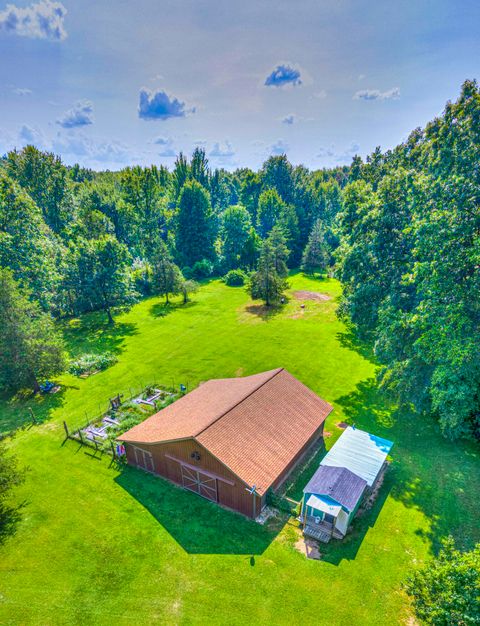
(97, 545)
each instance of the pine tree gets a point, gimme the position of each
(278, 243)
(315, 255)
(265, 283)
(195, 225)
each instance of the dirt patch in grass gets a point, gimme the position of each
(311, 295)
(342, 425)
(308, 547)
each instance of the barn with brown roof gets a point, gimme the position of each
(232, 439)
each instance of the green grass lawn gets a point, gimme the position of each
(100, 545)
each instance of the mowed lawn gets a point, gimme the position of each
(101, 545)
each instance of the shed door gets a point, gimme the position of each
(144, 459)
(200, 483)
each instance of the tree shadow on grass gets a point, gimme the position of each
(162, 309)
(16, 409)
(91, 333)
(199, 526)
(338, 550)
(438, 477)
(10, 517)
(350, 340)
(265, 313)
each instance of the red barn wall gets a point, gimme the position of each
(231, 494)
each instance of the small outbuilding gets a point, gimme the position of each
(331, 498)
(334, 493)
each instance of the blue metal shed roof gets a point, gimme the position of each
(360, 452)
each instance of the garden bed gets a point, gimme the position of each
(104, 430)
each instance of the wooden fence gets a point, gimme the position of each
(77, 433)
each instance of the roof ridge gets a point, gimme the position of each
(230, 408)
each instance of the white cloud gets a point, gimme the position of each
(41, 20)
(79, 145)
(222, 151)
(80, 115)
(342, 156)
(22, 91)
(30, 135)
(158, 105)
(289, 119)
(162, 141)
(375, 94)
(320, 95)
(285, 74)
(279, 147)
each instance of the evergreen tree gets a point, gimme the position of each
(195, 224)
(181, 171)
(199, 167)
(31, 349)
(265, 283)
(315, 255)
(280, 251)
(277, 173)
(288, 223)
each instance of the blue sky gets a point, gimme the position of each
(111, 83)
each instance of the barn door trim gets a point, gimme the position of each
(197, 481)
(144, 459)
(196, 468)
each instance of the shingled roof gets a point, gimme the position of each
(339, 484)
(254, 425)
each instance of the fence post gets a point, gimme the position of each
(32, 415)
(81, 436)
(113, 449)
(66, 429)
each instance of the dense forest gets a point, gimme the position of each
(400, 230)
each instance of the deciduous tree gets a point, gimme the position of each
(31, 349)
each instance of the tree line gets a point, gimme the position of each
(409, 261)
(73, 240)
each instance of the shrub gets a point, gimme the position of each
(235, 278)
(202, 269)
(282, 504)
(89, 363)
(142, 277)
(446, 590)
